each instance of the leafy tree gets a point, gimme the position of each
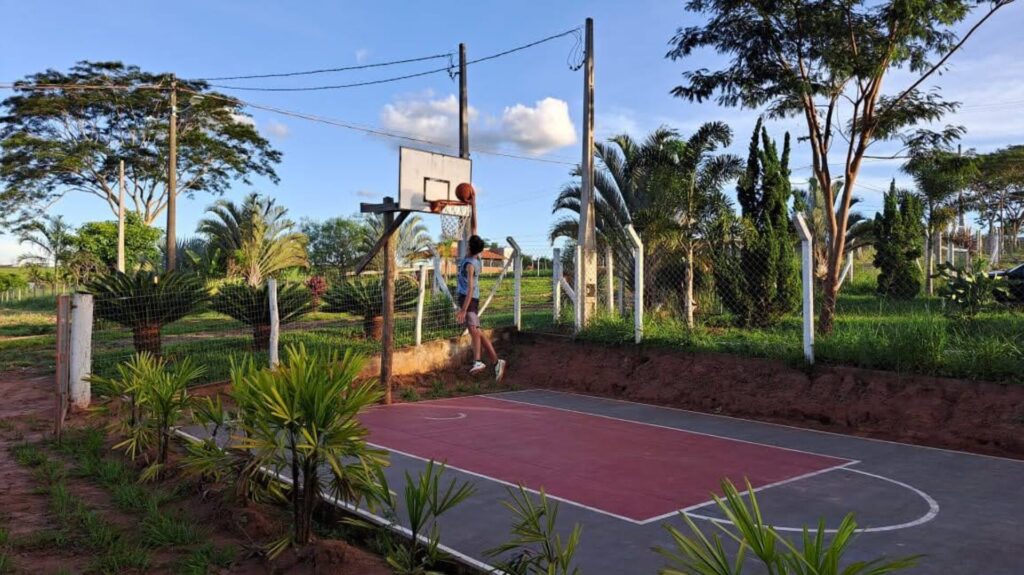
(899, 233)
(64, 140)
(827, 62)
(335, 243)
(998, 189)
(9, 281)
(255, 238)
(759, 281)
(52, 237)
(411, 240)
(100, 240)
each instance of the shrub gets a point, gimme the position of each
(899, 234)
(317, 286)
(251, 306)
(364, 296)
(536, 546)
(966, 294)
(145, 302)
(300, 418)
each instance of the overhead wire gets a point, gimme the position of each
(327, 70)
(448, 69)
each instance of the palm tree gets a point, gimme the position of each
(411, 240)
(619, 189)
(255, 238)
(52, 237)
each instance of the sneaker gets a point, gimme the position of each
(499, 370)
(478, 366)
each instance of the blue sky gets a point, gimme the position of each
(527, 103)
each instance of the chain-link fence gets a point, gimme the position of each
(937, 307)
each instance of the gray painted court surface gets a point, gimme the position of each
(964, 512)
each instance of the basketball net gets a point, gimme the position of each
(455, 219)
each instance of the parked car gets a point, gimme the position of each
(1014, 284)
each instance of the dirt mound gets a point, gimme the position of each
(973, 416)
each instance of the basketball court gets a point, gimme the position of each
(623, 470)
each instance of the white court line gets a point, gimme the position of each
(933, 510)
(458, 415)
(753, 421)
(687, 510)
(476, 563)
(680, 430)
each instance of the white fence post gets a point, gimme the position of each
(609, 260)
(438, 276)
(556, 282)
(517, 298)
(81, 349)
(638, 284)
(807, 273)
(275, 322)
(419, 304)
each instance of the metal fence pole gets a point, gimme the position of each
(638, 284)
(517, 298)
(610, 279)
(81, 349)
(576, 286)
(556, 282)
(438, 276)
(807, 275)
(419, 304)
(275, 323)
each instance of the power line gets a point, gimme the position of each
(328, 70)
(449, 69)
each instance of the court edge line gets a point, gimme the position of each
(472, 562)
(687, 510)
(783, 425)
(515, 485)
(658, 425)
(933, 510)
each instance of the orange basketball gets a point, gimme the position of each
(465, 192)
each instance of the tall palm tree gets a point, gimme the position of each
(411, 239)
(255, 238)
(53, 237)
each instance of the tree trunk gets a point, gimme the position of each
(146, 337)
(261, 336)
(928, 271)
(373, 328)
(689, 288)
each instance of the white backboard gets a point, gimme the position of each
(424, 177)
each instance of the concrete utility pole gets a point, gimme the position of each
(586, 293)
(172, 179)
(120, 217)
(464, 138)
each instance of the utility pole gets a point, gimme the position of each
(464, 138)
(586, 293)
(172, 179)
(120, 217)
(388, 311)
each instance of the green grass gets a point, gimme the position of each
(207, 559)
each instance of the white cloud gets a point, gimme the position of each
(542, 128)
(278, 129)
(367, 194)
(361, 55)
(243, 119)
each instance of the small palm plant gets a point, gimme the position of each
(251, 306)
(424, 501)
(299, 420)
(156, 396)
(365, 297)
(145, 301)
(536, 546)
(702, 555)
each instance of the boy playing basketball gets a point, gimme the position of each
(468, 295)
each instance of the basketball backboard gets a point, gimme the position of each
(424, 177)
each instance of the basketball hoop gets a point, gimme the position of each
(455, 218)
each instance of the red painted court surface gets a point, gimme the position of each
(633, 471)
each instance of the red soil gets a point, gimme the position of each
(972, 416)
